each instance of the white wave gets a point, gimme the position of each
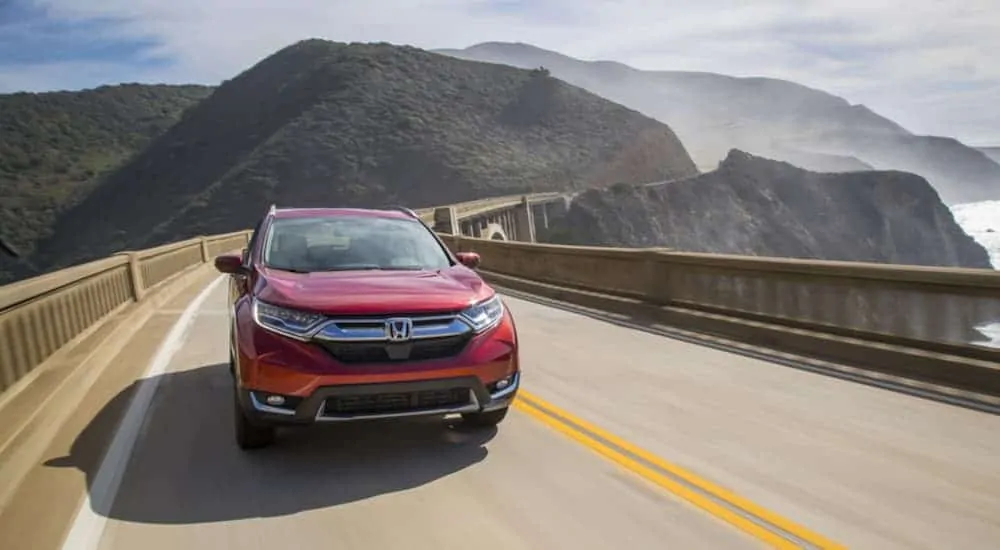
(981, 220)
(991, 333)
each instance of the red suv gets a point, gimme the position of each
(347, 314)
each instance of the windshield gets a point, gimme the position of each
(351, 242)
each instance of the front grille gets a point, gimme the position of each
(396, 402)
(382, 352)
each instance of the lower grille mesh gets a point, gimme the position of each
(395, 402)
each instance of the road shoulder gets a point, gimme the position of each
(45, 498)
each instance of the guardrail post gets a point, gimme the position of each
(135, 274)
(446, 220)
(658, 283)
(524, 221)
(205, 255)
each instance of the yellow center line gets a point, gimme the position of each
(584, 433)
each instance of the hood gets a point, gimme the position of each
(373, 292)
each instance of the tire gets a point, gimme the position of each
(485, 419)
(249, 435)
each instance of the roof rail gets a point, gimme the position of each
(272, 210)
(409, 212)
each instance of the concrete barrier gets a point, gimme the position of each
(38, 316)
(911, 321)
(842, 310)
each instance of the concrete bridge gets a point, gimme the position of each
(508, 218)
(670, 400)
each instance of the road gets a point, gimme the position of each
(624, 437)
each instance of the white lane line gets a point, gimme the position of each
(88, 526)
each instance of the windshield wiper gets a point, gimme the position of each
(404, 268)
(9, 249)
(289, 269)
(358, 267)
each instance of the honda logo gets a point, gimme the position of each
(399, 330)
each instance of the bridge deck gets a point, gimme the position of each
(864, 467)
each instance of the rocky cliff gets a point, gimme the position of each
(992, 152)
(820, 162)
(757, 206)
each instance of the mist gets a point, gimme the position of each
(714, 113)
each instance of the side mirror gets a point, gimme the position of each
(230, 263)
(468, 259)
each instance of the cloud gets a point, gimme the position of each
(928, 64)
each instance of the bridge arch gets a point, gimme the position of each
(495, 232)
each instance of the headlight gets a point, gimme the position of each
(290, 322)
(483, 315)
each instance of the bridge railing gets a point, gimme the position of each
(479, 206)
(935, 309)
(42, 314)
(932, 309)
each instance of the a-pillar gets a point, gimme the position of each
(524, 222)
(445, 220)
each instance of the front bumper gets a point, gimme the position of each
(371, 401)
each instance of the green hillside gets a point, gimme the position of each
(55, 147)
(324, 123)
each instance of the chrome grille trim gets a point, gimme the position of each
(371, 329)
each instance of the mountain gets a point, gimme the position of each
(820, 162)
(761, 207)
(713, 113)
(992, 152)
(55, 147)
(325, 123)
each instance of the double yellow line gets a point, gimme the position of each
(773, 530)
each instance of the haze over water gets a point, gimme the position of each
(981, 220)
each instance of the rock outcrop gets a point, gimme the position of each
(757, 206)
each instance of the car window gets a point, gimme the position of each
(351, 243)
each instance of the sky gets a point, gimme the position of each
(930, 65)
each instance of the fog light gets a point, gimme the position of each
(503, 384)
(275, 400)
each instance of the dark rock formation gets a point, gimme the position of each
(756, 206)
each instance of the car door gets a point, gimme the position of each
(239, 287)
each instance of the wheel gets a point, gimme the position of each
(485, 419)
(248, 434)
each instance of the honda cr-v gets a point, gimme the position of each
(347, 314)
